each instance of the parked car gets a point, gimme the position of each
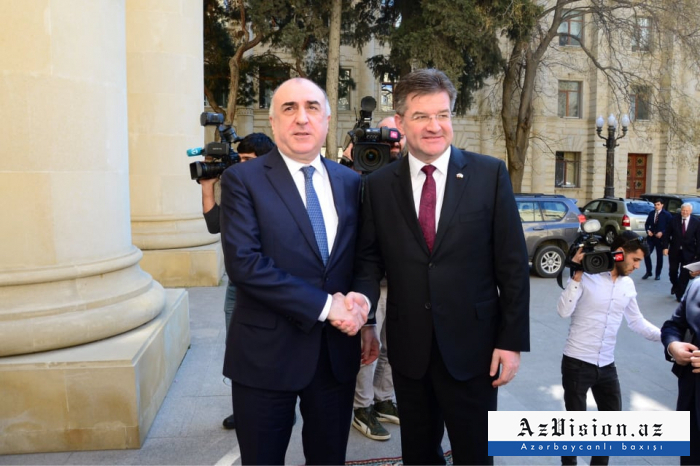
(618, 214)
(550, 223)
(673, 202)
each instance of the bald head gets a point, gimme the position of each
(299, 117)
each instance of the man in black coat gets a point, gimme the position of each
(288, 228)
(681, 246)
(686, 358)
(655, 226)
(443, 224)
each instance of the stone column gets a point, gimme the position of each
(164, 49)
(69, 273)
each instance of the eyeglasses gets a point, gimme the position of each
(422, 118)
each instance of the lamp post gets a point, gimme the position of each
(610, 144)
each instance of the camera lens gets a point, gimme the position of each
(596, 261)
(206, 170)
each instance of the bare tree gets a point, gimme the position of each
(644, 50)
(332, 78)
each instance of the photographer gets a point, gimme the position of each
(396, 150)
(596, 304)
(250, 147)
(374, 390)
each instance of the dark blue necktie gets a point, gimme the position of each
(313, 208)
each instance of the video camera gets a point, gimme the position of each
(222, 152)
(371, 147)
(594, 261)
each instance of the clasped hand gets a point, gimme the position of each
(685, 353)
(348, 312)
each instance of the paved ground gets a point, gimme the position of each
(188, 428)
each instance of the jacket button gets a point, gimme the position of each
(431, 265)
(428, 306)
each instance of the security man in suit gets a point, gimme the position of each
(685, 355)
(655, 226)
(682, 246)
(288, 227)
(443, 224)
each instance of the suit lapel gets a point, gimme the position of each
(454, 188)
(282, 181)
(334, 175)
(403, 192)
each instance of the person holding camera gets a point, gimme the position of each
(596, 304)
(250, 147)
(655, 226)
(685, 355)
(682, 246)
(374, 390)
(396, 150)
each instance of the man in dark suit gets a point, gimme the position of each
(656, 224)
(443, 224)
(686, 359)
(288, 227)
(681, 246)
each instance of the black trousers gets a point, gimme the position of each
(694, 458)
(577, 377)
(679, 279)
(264, 418)
(438, 400)
(654, 243)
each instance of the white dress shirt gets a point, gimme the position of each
(596, 305)
(322, 186)
(439, 175)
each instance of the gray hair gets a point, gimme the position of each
(688, 205)
(272, 107)
(423, 82)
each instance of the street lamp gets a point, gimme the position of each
(610, 144)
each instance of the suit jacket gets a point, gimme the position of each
(273, 259)
(682, 247)
(685, 320)
(661, 223)
(472, 292)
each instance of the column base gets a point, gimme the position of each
(184, 267)
(98, 396)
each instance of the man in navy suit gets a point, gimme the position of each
(655, 226)
(686, 358)
(443, 225)
(288, 227)
(682, 246)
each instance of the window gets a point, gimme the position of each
(591, 207)
(269, 78)
(221, 97)
(567, 169)
(529, 211)
(571, 28)
(386, 103)
(554, 210)
(641, 38)
(569, 99)
(639, 103)
(344, 89)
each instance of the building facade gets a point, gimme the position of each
(565, 156)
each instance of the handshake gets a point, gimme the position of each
(348, 312)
